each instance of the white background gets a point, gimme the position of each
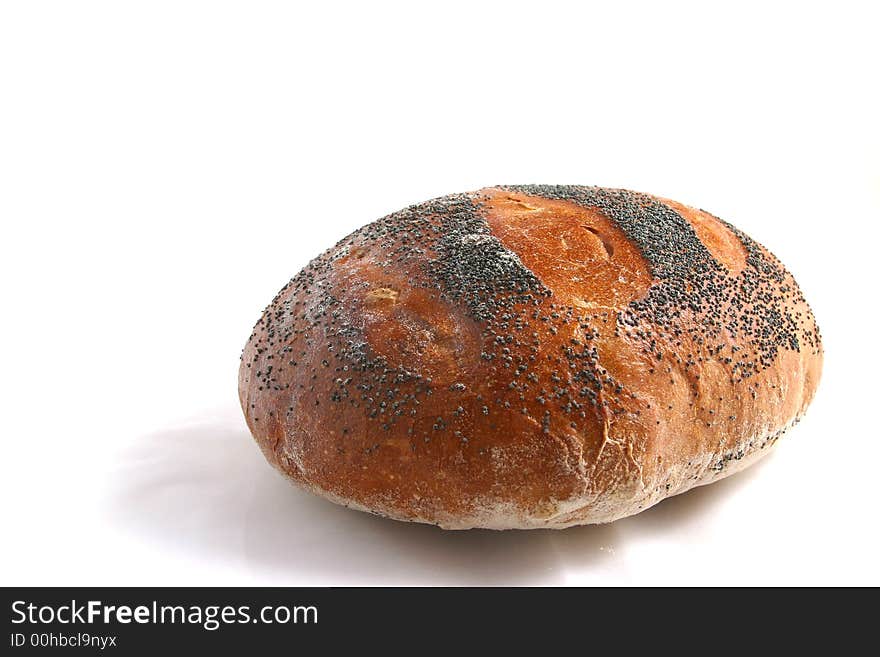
(166, 166)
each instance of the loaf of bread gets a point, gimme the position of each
(528, 357)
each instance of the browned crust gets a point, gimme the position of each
(507, 359)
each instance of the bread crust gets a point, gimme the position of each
(529, 356)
